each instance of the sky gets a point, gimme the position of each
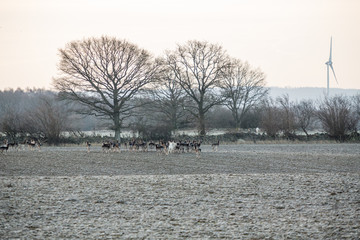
(289, 40)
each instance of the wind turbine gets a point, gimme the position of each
(329, 65)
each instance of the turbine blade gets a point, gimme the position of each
(334, 73)
(330, 49)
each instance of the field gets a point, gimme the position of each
(247, 191)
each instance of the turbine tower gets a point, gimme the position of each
(329, 65)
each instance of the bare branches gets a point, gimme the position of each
(48, 118)
(168, 99)
(305, 115)
(104, 74)
(286, 116)
(34, 113)
(243, 88)
(338, 117)
(197, 68)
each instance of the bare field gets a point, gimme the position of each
(248, 191)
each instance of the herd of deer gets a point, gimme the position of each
(160, 147)
(134, 145)
(31, 144)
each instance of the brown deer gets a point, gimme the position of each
(215, 146)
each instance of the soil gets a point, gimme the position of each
(246, 191)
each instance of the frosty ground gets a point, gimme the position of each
(247, 191)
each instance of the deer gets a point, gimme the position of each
(215, 146)
(33, 143)
(14, 145)
(88, 145)
(196, 147)
(142, 145)
(161, 147)
(4, 147)
(106, 146)
(184, 145)
(151, 144)
(116, 146)
(172, 146)
(132, 145)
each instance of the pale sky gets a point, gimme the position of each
(288, 39)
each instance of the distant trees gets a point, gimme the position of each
(356, 104)
(197, 67)
(39, 114)
(220, 117)
(11, 112)
(34, 114)
(104, 75)
(286, 116)
(305, 115)
(195, 85)
(168, 100)
(48, 119)
(270, 122)
(243, 89)
(338, 116)
(252, 118)
(12, 123)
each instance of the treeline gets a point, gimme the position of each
(196, 85)
(40, 114)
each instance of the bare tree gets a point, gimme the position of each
(305, 115)
(337, 117)
(168, 100)
(356, 110)
(286, 117)
(270, 117)
(11, 112)
(220, 117)
(104, 74)
(197, 68)
(356, 104)
(243, 88)
(47, 119)
(11, 123)
(252, 118)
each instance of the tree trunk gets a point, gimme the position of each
(237, 119)
(174, 119)
(117, 134)
(202, 131)
(117, 126)
(307, 134)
